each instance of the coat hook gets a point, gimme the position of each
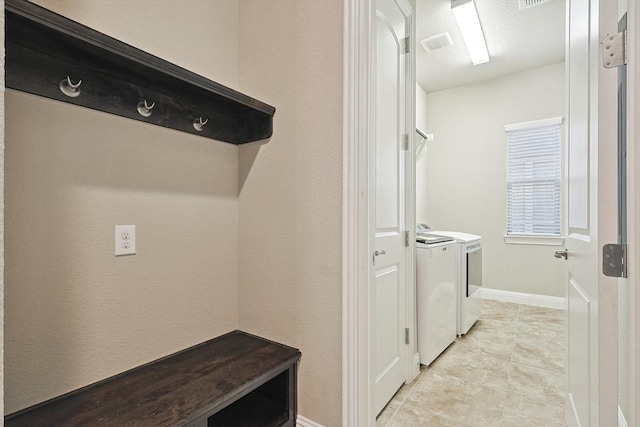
(145, 109)
(70, 89)
(198, 124)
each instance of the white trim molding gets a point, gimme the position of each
(306, 422)
(622, 422)
(405, 7)
(534, 124)
(356, 384)
(358, 105)
(416, 361)
(413, 369)
(523, 298)
(515, 239)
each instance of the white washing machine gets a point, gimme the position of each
(468, 277)
(436, 295)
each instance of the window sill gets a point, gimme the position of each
(533, 240)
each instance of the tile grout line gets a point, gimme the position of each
(518, 333)
(394, 413)
(418, 378)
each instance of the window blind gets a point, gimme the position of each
(534, 178)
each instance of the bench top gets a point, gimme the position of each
(172, 391)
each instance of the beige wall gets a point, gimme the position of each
(74, 312)
(2, 215)
(465, 171)
(213, 221)
(291, 191)
(199, 35)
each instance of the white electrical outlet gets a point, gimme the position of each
(125, 240)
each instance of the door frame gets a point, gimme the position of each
(357, 384)
(633, 210)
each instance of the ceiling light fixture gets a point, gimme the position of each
(468, 22)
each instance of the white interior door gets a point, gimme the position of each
(632, 399)
(592, 217)
(628, 291)
(388, 285)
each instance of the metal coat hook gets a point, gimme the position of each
(145, 109)
(69, 88)
(198, 124)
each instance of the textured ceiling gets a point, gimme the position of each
(517, 41)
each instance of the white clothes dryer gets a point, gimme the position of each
(468, 278)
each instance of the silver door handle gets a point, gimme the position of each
(375, 254)
(560, 254)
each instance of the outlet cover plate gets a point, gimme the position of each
(125, 240)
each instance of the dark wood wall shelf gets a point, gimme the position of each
(44, 48)
(233, 380)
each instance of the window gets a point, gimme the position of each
(534, 178)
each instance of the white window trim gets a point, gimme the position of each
(527, 239)
(534, 124)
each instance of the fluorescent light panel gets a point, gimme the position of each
(466, 15)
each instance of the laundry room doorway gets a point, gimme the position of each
(465, 113)
(601, 17)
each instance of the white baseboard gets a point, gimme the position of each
(523, 298)
(305, 422)
(622, 422)
(415, 372)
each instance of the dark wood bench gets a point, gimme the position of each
(236, 379)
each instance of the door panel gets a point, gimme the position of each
(389, 70)
(592, 217)
(579, 314)
(581, 261)
(388, 294)
(386, 298)
(578, 120)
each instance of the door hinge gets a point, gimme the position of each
(614, 50)
(406, 239)
(405, 143)
(407, 45)
(614, 260)
(406, 335)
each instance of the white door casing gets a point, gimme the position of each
(357, 401)
(633, 214)
(357, 350)
(591, 217)
(388, 282)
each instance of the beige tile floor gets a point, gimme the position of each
(507, 371)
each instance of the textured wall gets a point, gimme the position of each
(291, 191)
(199, 35)
(465, 169)
(2, 215)
(421, 148)
(74, 312)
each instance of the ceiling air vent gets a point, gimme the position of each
(526, 4)
(436, 42)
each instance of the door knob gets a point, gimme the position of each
(560, 254)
